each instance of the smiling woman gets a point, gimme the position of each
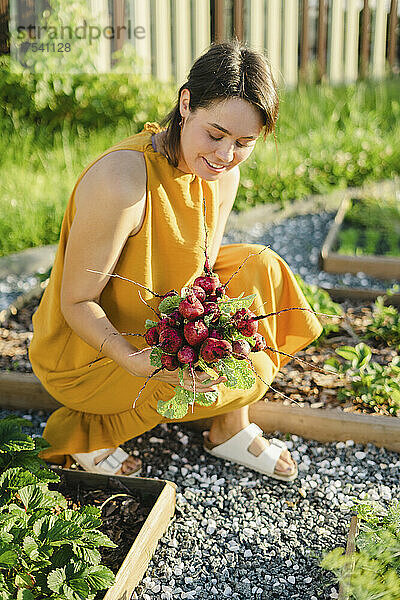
(137, 210)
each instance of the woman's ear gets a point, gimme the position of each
(184, 103)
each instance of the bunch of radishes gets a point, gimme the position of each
(199, 325)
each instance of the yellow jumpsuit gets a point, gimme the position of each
(167, 253)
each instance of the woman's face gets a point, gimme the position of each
(217, 138)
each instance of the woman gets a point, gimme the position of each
(137, 210)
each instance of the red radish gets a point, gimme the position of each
(241, 349)
(212, 298)
(169, 362)
(244, 321)
(213, 349)
(199, 292)
(219, 292)
(191, 308)
(170, 340)
(212, 308)
(167, 322)
(151, 336)
(170, 293)
(214, 333)
(195, 332)
(260, 343)
(187, 355)
(209, 283)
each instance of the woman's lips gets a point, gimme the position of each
(216, 170)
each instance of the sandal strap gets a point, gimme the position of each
(113, 462)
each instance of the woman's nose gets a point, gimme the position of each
(225, 153)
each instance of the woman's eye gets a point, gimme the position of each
(214, 138)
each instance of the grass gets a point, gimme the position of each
(327, 138)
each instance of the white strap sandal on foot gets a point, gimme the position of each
(236, 450)
(107, 461)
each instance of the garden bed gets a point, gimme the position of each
(313, 411)
(364, 237)
(136, 513)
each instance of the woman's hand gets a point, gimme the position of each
(140, 366)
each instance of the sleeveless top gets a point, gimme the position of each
(166, 253)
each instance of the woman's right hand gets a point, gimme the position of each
(140, 366)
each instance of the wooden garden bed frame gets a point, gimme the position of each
(158, 492)
(23, 391)
(382, 267)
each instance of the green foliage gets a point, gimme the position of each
(177, 407)
(155, 357)
(46, 549)
(149, 323)
(371, 227)
(238, 373)
(169, 304)
(329, 137)
(320, 301)
(369, 385)
(374, 570)
(385, 324)
(231, 306)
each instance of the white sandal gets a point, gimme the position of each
(236, 450)
(107, 461)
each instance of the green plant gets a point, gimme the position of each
(385, 324)
(374, 571)
(369, 385)
(47, 550)
(321, 302)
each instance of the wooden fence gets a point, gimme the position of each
(338, 41)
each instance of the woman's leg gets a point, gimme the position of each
(228, 424)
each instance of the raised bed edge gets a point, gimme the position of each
(350, 550)
(382, 267)
(136, 561)
(23, 391)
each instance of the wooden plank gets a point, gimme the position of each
(142, 42)
(350, 552)
(351, 45)
(336, 43)
(274, 27)
(181, 31)
(219, 20)
(361, 294)
(4, 27)
(291, 37)
(304, 51)
(256, 25)
(23, 391)
(334, 229)
(238, 19)
(379, 42)
(322, 37)
(365, 40)
(162, 40)
(202, 26)
(101, 17)
(322, 424)
(375, 266)
(136, 561)
(392, 41)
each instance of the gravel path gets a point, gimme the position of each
(238, 534)
(299, 240)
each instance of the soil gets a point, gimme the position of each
(303, 384)
(123, 514)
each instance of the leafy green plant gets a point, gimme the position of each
(373, 572)
(385, 324)
(321, 302)
(370, 385)
(47, 550)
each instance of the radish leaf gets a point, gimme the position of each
(169, 304)
(149, 323)
(155, 357)
(237, 372)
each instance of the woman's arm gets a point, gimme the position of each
(228, 186)
(110, 200)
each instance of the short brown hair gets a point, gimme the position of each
(225, 70)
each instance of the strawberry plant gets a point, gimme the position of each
(47, 550)
(370, 385)
(385, 324)
(374, 570)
